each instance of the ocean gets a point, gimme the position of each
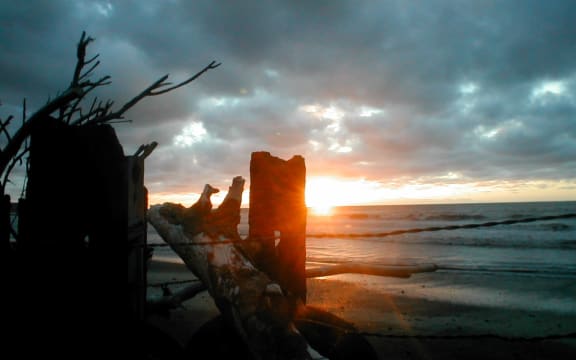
(527, 266)
(543, 248)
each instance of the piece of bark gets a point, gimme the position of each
(249, 300)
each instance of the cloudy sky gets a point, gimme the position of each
(388, 101)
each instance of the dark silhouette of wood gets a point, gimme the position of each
(137, 204)
(400, 271)
(251, 302)
(5, 208)
(176, 299)
(72, 225)
(81, 240)
(82, 236)
(258, 286)
(277, 204)
(68, 104)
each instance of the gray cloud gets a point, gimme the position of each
(460, 86)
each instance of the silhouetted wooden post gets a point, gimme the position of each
(4, 226)
(277, 203)
(136, 236)
(82, 232)
(137, 231)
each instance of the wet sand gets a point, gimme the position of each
(408, 319)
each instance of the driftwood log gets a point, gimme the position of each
(277, 219)
(399, 271)
(209, 244)
(268, 314)
(175, 300)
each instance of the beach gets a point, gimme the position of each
(504, 292)
(407, 319)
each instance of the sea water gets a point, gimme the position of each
(529, 266)
(543, 248)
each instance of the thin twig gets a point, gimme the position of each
(24, 131)
(73, 108)
(89, 71)
(212, 65)
(4, 127)
(145, 150)
(152, 90)
(146, 92)
(15, 160)
(80, 55)
(23, 110)
(69, 101)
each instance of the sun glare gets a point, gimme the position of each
(323, 193)
(322, 210)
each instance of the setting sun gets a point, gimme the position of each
(323, 193)
(321, 210)
(320, 194)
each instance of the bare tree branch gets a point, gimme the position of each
(145, 150)
(80, 55)
(95, 113)
(88, 72)
(23, 110)
(4, 127)
(24, 131)
(69, 103)
(212, 65)
(13, 162)
(154, 89)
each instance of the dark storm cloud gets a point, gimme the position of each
(35, 49)
(456, 83)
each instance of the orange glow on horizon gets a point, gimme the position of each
(322, 210)
(323, 193)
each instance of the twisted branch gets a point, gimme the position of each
(69, 102)
(4, 127)
(156, 88)
(80, 56)
(15, 160)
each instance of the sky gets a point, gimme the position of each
(389, 102)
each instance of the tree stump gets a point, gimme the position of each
(277, 204)
(247, 297)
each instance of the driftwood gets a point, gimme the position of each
(278, 207)
(258, 286)
(401, 271)
(68, 107)
(175, 300)
(210, 246)
(170, 301)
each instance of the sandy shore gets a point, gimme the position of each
(404, 318)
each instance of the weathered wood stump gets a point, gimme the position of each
(81, 227)
(209, 244)
(277, 204)
(4, 226)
